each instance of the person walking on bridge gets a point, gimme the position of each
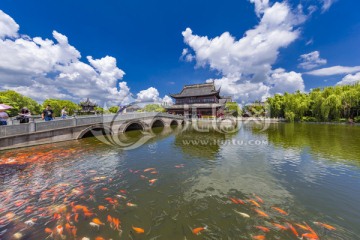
(3, 117)
(47, 114)
(63, 113)
(24, 115)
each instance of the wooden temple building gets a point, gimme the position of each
(87, 107)
(199, 100)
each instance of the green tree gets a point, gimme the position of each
(99, 110)
(58, 104)
(18, 101)
(328, 104)
(154, 108)
(233, 108)
(114, 109)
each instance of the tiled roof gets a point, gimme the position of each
(88, 103)
(204, 89)
(196, 105)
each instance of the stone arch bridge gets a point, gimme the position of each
(35, 133)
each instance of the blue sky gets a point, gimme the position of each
(145, 38)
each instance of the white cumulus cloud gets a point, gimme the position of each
(260, 6)
(8, 27)
(52, 68)
(148, 95)
(246, 64)
(167, 100)
(311, 60)
(335, 70)
(283, 81)
(350, 79)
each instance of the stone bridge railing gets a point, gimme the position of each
(31, 127)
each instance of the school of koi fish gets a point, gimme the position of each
(92, 206)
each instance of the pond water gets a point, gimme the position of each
(187, 184)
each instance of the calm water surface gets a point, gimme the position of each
(311, 171)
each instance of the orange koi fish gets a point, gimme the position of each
(154, 172)
(76, 217)
(264, 229)
(293, 230)
(234, 200)
(99, 238)
(79, 207)
(74, 231)
(324, 225)
(88, 214)
(310, 236)
(149, 169)
(68, 227)
(138, 230)
(279, 226)
(59, 229)
(48, 230)
(310, 229)
(131, 204)
(253, 202)
(259, 237)
(29, 209)
(68, 217)
(102, 208)
(198, 230)
(280, 210)
(258, 198)
(116, 222)
(123, 191)
(97, 221)
(261, 213)
(302, 226)
(109, 219)
(152, 181)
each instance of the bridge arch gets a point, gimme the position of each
(95, 130)
(174, 123)
(157, 123)
(134, 125)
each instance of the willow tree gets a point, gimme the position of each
(331, 107)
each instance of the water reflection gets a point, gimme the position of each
(203, 139)
(331, 141)
(179, 180)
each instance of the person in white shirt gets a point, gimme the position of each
(63, 113)
(3, 118)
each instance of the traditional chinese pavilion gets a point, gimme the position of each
(87, 107)
(200, 100)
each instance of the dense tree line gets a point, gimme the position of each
(18, 101)
(58, 104)
(337, 103)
